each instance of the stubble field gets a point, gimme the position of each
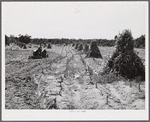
(63, 81)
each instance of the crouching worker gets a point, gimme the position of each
(44, 53)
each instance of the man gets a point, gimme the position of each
(39, 51)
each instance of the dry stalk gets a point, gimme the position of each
(107, 99)
(130, 83)
(139, 84)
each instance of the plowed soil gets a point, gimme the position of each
(63, 81)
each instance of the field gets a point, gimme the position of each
(63, 81)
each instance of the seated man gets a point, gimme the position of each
(37, 52)
(44, 53)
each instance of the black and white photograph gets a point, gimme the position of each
(80, 60)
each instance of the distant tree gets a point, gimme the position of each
(24, 39)
(140, 42)
(12, 39)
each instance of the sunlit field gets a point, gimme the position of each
(63, 81)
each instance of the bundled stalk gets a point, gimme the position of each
(80, 47)
(73, 45)
(94, 51)
(86, 48)
(125, 61)
(49, 46)
(76, 47)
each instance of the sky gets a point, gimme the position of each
(85, 20)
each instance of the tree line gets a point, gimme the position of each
(26, 39)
